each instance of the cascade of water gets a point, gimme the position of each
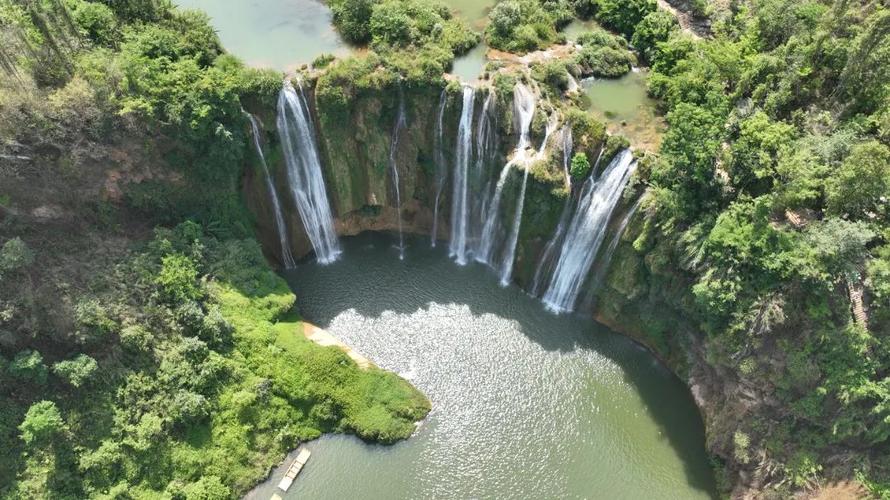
(441, 171)
(567, 154)
(596, 164)
(573, 84)
(609, 252)
(459, 201)
(298, 141)
(492, 217)
(523, 109)
(286, 256)
(544, 264)
(484, 145)
(507, 264)
(393, 148)
(525, 115)
(585, 233)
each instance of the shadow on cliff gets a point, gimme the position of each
(371, 280)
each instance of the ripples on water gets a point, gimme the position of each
(525, 404)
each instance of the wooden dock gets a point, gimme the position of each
(294, 469)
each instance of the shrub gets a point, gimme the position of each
(604, 61)
(655, 28)
(206, 488)
(323, 61)
(580, 166)
(521, 26)
(352, 19)
(135, 338)
(76, 371)
(623, 15)
(862, 183)
(14, 255)
(97, 21)
(42, 423)
(552, 73)
(178, 279)
(603, 54)
(28, 367)
(93, 321)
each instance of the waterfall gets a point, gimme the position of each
(492, 216)
(524, 105)
(459, 200)
(393, 148)
(547, 256)
(297, 132)
(507, 263)
(567, 154)
(441, 171)
(606, 258)
(286, 256)
(523, 108)
(484, 146)
(585, 233)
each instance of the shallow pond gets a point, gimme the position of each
(524, 404)
(279, 34)
(469, 67)
(626, 108)
(284, 34)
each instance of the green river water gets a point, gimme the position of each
(525, 404)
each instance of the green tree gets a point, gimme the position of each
(76, 371)
(580, 166)
(352, 18)
(178, 279)
(655, 28)
(28, 367)
(14, 255)
(505, 17)
(623, 15)
(207, 488)
(861, 186)
(42, 424)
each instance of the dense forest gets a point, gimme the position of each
(147, 347)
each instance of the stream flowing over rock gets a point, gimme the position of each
(298, 141)
(286, 255)
(586, 232)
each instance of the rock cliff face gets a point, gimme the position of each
(640, 295)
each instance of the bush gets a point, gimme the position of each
(623, 15)
(604, 62)
(14, 255)
(861, 186)
(28, 367)
(178, 279)
(603, 54)
(136, 338)
(580, 166)
(521, 26)
(352, 19)
(655, 28)
(77, 371)
(42, 424)
(93, 321)
(97, 21)
(553, 73)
